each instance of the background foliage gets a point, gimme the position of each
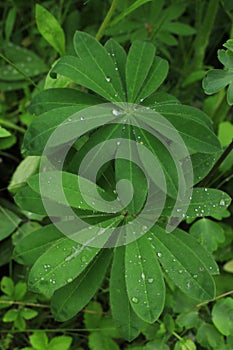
(192, 36)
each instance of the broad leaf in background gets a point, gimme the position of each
(50, 29)
(208, 233)
(8, 222)
(218, 79)
(70, 299)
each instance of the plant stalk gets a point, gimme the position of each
(106, 20)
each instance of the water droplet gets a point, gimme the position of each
(139, 256)
(118, 143)
(143, 276)
(195, 276)
(205, 189)
(116, 68)
(222, 202)
(134, 300)
(81, 118)
(69, 119)
(83, 258)
(211, 267)
(70, 280)
(201, 268)
(108, 79)
(150, 280)
(115, 112)
(188, 284)
(180, 271)
(159, 255)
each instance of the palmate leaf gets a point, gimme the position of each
(204, 202)
(191, 275)
(61, 97)
(144, 280)
(127, 322)
(70, 299)
(88, 69)
(65, 260)
(139, 61)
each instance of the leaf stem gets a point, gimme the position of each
(206, 180)
(203, 34)
(106, 20)
(11, 125)
(24, 304)
(19, 70)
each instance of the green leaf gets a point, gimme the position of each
(47, 123)
(130, 170)
(28, 199)
(98, 341)
(216, 79)
(25, 169)
(8, 222)
(185, 344)
(222, 316)
(11, 315)
(61, 97)
(228, 267)
(204, 202)
(127, 322)
(156, 75)
(208, 233)
(225, 133)
(7, 286)
(144, 280)
(77, 190)
(130, 9)
(70, 299)
(93, 315)
(118, 55)
(50, 29)
(208, 336)
(7, 141)
(190, 275)
(139, 61)
(87, 70)
(31, 247)
(20, 290)
(25, 60)
(28, 314)
(65, 260)
(10, 21)
(180, 28)
(60, 343)
(39, 340)
(4, 132)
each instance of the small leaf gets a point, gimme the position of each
(11, 315)
(8, 222)
(39, 340)
(60, 343)
(28, 314)
(222, 316)
(50, 29)
(93, 315)
(7, 286)
(208, 233)
(98, 341)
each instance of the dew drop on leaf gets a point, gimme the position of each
(150, 280)
(108, 79)
(69, 280)
(134, 300)
(222, 202)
